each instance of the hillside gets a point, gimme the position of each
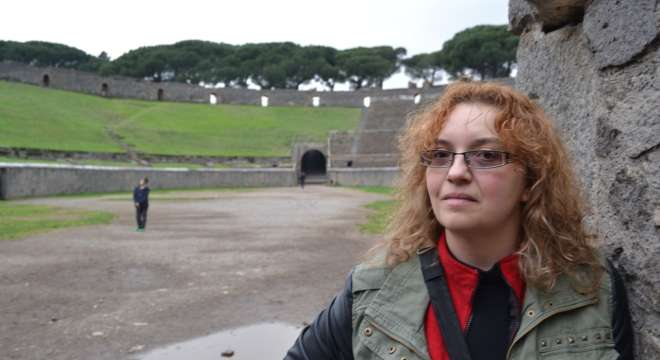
(35, 117)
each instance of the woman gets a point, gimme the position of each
(487, 256)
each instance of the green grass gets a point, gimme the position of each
(133, 164)
(375, 189)
(34, 117)
(17, 160)
(20, 220)
(381, 211)
(377, 220)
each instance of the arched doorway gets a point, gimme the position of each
(161, 93)
(313, 163)
(104, 89)
(45, 81)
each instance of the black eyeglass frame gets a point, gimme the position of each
(427, 160)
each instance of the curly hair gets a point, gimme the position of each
(553, 240)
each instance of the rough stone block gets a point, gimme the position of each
(554, 14)
(617, 30)
(521, 15)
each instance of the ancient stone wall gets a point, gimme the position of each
(123, 87)
(374, 142)
(593, 65)
(76, 156)
(382, 176)
(32, 180)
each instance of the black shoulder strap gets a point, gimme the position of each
(434, 277)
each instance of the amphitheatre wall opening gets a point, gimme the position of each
(104, 89)
(45, 81)
(313, 162)
(161, 94)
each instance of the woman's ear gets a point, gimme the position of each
(525, 195)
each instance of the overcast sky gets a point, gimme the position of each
(117, 26)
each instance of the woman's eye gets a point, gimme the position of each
(487, 155)
(439, 154)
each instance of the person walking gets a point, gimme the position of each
(141, 201)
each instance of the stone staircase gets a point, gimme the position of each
(374, 143)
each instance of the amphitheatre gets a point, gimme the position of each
(249, 247)
(364, 155)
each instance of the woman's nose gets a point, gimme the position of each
(459, 169)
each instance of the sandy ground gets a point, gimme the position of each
(208, 261)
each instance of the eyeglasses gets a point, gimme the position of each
(476, 159)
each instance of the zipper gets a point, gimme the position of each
(401, 341)
(474, 292)
(467, 326)
(531, 326)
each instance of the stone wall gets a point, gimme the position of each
(593, 66)
(27, 180)
(74, 156)
(31, 180)
(124, 87)
(374, 142)
(385, 176)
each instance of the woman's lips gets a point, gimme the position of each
(459, 197)
(458, 200)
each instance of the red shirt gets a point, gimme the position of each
(462, 281)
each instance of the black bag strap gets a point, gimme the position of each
(434, 277)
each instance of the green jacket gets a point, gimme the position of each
(389, 307)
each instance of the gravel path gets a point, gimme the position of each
(209, 261)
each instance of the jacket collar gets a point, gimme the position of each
(462, 278)
(465, 275)
(399, 308)
(540, 305)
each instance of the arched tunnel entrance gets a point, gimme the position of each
(313, 163)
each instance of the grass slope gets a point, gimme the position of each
(35, 117)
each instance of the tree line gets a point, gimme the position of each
(484, 51)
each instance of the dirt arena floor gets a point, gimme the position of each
(209, 261)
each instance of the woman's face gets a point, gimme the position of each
(474, 200)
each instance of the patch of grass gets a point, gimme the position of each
(20, 220)
(382, 210)
(5, 159)
(34, 117)
(375, 189)
(378, 219)
(105, 163)
(178, 165)
(232, 165)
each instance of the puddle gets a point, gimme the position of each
(254, 342)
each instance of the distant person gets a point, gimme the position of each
(301, 179)
(141, 200)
